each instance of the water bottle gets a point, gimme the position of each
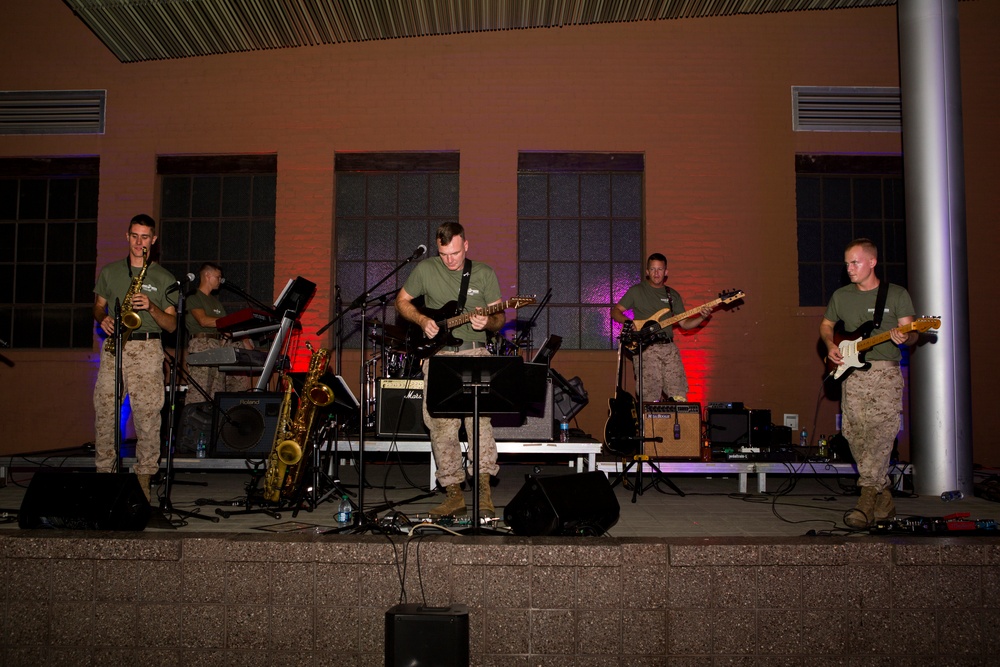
(202, 448)
(949, 496)
(803, 438)
(564, 431)
(344, 510)
(822, 446)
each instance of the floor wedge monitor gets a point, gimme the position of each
(577, 504)
(84, 501)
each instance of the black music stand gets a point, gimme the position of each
(463, 386)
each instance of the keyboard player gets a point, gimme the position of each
(203, 311)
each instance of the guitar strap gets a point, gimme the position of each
(463, 291)
(883, 292)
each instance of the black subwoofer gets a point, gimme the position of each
(578, 504)
(84, 501)
(418, 636)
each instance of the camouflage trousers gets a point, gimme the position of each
(871, 404)
(142, 373)
(445, 444)
(210, 378)
(662, 373)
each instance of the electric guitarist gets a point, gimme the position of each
(872, 399)
(449, 276)
(662, 370)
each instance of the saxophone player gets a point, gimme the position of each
(142, 356)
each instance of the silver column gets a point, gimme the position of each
(930, 84)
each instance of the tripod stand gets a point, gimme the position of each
(639, 459)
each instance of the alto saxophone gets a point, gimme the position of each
(292, 438)
(130, 319)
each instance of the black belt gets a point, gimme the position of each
(206, 335)
(144, 336)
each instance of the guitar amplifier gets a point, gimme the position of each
(535, 426)
(679, 424)
(399, 408)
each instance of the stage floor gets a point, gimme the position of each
(712, 506)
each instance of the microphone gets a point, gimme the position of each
(421, 249)
(183, 282)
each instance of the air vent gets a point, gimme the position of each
(52, 111)
(829, 109)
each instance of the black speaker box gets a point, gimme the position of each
(728, 427)
(418, 636)
(578, 504)
(760, 434)
(535, 426)
(244, 424)
(84, 501)
(195, 419)
(399, 408)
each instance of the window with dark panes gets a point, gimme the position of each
(840, 198)
(220, 209)
(580, 235)
(48, 251)
(388, 204)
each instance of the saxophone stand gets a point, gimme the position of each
(361, 523)
(640, 460)
(168, 480)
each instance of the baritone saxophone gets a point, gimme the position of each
(293, 437)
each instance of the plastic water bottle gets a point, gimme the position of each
(344, 510)
(803, 438)
(949, 496)
(564, 431)
(202, 448)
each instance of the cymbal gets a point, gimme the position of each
(394, 335)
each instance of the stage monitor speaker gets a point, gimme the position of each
(534, 427)
(577, 504)
(760, 434)
(399, 408)
(84, 501)
(196, 419)
(244, 424)
(679, 426)
(728, 427)
(419, 636)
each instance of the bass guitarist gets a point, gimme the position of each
(662, 369)
(872, 399)
(440, 280)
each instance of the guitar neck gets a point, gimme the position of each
(689, 313)
(881, 338)
(459, 320)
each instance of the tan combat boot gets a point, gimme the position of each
(885, 507)
(144, 484)
(453, 505)
(486, 507)
(863, 514)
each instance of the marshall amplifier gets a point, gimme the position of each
(678, 424)
(399, 408)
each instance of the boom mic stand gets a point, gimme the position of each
(361, 523)
(119, 387)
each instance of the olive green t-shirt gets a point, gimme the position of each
(438, 285)
(115, 279)
(854, 307)
(207, 302)
(644, 301)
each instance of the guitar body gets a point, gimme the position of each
(444, 337)
(621, 432)
(853, 357)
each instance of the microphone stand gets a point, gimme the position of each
(238, 290)
(119, 398)
(361, 522)
(168, 481)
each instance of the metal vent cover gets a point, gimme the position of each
(845, 109)
(52, 111)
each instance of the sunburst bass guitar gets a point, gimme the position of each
(646, 330)
(854, 345)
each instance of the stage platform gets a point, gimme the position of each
(712, 577)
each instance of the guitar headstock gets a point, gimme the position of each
(732, 295)
(924, 323)
(521, 301)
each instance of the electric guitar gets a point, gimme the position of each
(447, 318)
(621, 432)
(647, 329)
(854, 345)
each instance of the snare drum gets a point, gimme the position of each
(399, 364)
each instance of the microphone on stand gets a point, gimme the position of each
(183, 282)
(421, 249)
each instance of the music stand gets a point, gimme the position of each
(460, 386)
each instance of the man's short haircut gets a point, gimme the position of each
(209, 265)
(144, 220)
(656, 257)
(865, 244)
(449, 230)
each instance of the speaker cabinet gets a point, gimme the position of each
(760, 434)
(579, 504)
(195, 420)
(244, 424)
(399, 408)
(535, 426)
(728, 427)
(84, 501)
(418, 636)
(678, 424)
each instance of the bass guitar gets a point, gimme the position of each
(647, 329)
(448, 317)
(854, 345)
(621, 432)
